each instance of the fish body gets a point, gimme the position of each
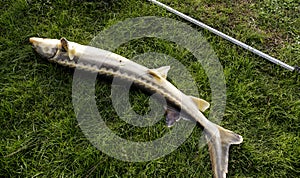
(107, 63)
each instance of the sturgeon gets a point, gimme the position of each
(179, 105)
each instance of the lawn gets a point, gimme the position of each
(40, 136)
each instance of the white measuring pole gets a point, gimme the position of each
(239, 43)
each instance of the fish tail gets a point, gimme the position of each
(219, 142)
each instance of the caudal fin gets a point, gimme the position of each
(219, 142)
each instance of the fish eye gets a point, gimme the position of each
(46, 49)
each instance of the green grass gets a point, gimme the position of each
(40, 136)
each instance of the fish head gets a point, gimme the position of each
(53, 48)
(45, 47)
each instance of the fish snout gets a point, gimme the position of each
(34, 40)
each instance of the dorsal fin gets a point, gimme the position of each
(155, 74)
(161, 72)
(201, 104)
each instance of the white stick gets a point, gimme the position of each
(239, 43)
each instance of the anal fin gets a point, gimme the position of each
(172, 117)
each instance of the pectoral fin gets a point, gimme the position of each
(201, 104)
(69, 49)
(64, 44)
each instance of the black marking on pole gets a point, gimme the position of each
(297, 69)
